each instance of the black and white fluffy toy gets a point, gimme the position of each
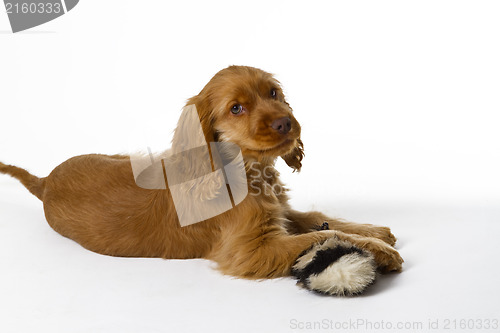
(335, 267)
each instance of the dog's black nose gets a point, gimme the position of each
(282, 125)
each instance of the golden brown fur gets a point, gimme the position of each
(94, 200)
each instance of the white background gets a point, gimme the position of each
(399, 105)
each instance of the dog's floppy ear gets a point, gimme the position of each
(190, 166)
(295, 156)
(187, 133)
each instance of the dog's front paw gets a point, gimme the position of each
(383, 233)
(335, 268)
(386, 257)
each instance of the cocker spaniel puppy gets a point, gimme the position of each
(97, 200)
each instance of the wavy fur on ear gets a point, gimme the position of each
(191, 164)
(294, 157)
(205, 114)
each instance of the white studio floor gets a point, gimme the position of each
(51, 284)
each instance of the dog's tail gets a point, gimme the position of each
(34, 184)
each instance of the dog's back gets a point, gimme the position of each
(94, 200)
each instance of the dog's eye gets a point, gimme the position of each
(236, 109)
(273, 93)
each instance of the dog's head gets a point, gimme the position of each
(246, 106)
